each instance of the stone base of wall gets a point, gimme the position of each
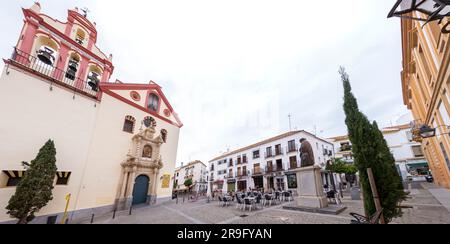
(78, 216)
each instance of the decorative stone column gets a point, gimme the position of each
(309, 187)
(153, 194)
(129, 195)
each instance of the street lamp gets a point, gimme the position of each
(426, 131)
(433, 9)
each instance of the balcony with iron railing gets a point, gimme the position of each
(294, 165)
(292, 148)
(243, 173)
(47, 70)
(230, 175)
(345, 147)
(268, 154)
(257, 171)
(274, 169)
(278, 151)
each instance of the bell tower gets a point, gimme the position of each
(63, 53)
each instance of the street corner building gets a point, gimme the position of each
(116, 142)
(425, 84)
(269, 165)
(195, 171)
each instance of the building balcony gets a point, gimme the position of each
(279, 152)
(257, 171)
(274, 169)
(293, 165)
(345, 148)
(268, 155)
(67, 79)
(243, 174)
(292, 149)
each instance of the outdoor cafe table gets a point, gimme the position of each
(229, 198)
(252, 199)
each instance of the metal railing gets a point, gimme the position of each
(294, 165)
(274, 169)
(257, 171)
(33, 64)
(291, 148)
(345, 148)
(243, 173)
(268, 154)
(278, 151)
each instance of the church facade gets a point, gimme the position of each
(116, 142)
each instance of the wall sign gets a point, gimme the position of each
(166, 181)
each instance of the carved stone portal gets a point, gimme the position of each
(144, 159)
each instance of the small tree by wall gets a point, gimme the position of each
(188, 183)
(34, 191)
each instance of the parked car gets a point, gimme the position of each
(429, 178)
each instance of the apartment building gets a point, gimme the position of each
(197, 171)
(268, 164)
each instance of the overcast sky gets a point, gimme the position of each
(234, 70)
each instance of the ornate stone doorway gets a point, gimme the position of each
(140, 170)
(140, 189)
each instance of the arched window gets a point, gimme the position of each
(128, 125)
(153, 102)
(147, 152)
(164, 135)
(149, 122)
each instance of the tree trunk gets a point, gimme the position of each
(22, 221)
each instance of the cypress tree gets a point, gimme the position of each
(34, 191)
(370, 150)
(391, 188)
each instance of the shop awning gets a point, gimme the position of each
(417, 165)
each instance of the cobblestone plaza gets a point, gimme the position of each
(424, 208)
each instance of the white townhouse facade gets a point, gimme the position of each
(342, 148)
(268, 164)
(197, 171)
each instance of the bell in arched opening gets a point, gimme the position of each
(72, 69)
(46, 55)
(80, 36)
(93, 80)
